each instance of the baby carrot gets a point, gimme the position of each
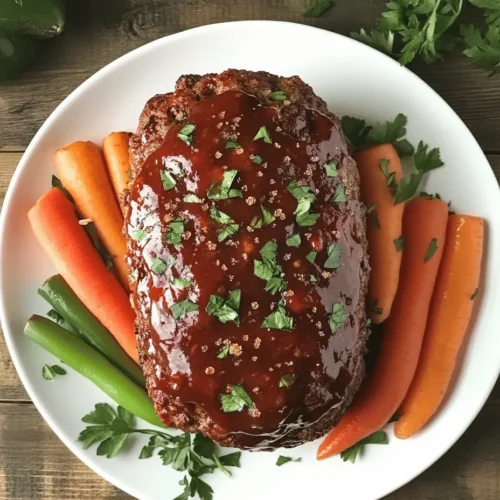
(115, 149)
(379, 169)
(449, 316)
(55, 224)
(424, 228)
(83, 173)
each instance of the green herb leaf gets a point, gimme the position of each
(158, 266)
(331, 169)
(138, 235)
(279, 95)
(426, 160)
(379, 40)
(224, 352)
(374, 308)
(230, 227)
(56, 183)
(282, 460)
(54, 315)
(220, 217)
(225, 310)
(431, 250)
(293, 241)
(279, 319)
(256, 159)
(287, 380)
(317, 8)
(355, 131)
(191, 198)
(339, 195)
(263, 134)
(268, 269)
(174, 236)
(167, 180)
(50, 372)
(306, 220)
(185, 134)
(232, 144)
(231, 459)
(183, 307)
(334, 259)
(407, 187)
(237, 400)
(181, 283)
(399, 243)
(267, 216)
(222, 190)
(389, 176)
(311, 256)
(312, 279)
(203, 446)
(352, 453)
(339, 316)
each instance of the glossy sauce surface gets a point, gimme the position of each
(186, 351)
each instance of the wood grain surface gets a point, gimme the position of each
(34, 464)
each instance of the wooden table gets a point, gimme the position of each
(33, 462)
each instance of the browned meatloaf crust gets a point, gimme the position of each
(246, 385)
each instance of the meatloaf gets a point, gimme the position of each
(247, 251)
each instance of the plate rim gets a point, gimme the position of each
(81, 89)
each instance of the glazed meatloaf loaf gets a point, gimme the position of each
(247, 250)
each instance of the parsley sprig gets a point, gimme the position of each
(222, 190)
(305, 199)
(229, 226)
(225, 310)
(268, 268)
(352, 453)
(110, 429)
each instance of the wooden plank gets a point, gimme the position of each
(98, 32)
(35, 464)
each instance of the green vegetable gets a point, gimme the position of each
(183, 307)
(431, 250)
(287, 380)
(282, 460)
(268, 268)
(16, 53)
(339, 316)
(229, 226)
(78, 355)
(225, 310)
(174, 236)
(50, 372)
(279, 319)
(111, 429)
(334, 259)
(279, 95)
(181, 283)
(304, 199)
(293, 241)
(317, 8)
(65, 302)
(483, 48)
(379, 40)
(311, 256)
(231, 144)
(266, 219)
(191, 198)
(167, 179)
(331, 169)
(224, 352)
(256, 159)
(185, 134)
(237, 400)
(351, 453)
(399, 243)
(263, 133)
(222, 190)
(158, 266)
(37, 18)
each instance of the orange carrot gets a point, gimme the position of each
(384, 225)
(56, 228)
(424, 228)
(115, 149)
(83, 173)
(449, 316)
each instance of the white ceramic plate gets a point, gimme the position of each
(353, 79)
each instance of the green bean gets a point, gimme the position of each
(64, 301)
(77, 354)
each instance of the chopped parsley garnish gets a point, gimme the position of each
(263, 134)
(399, 243)
(191, 198)
(473, 296)
(256, 159)
(351, 453)
(293, 241)
(287, 380)
(138, 235)
(185, 134)
(268, 268)
(174, 236)
(181, 283)
(229, 226)
(167, 180)
(374, 308)
(431, 250)
(279, 319)
(331, 169)
(389, 176)
(311, 256)
(231, 144)
(317, 8)
(183, 307)
(236, 401)
(334, 259)
(312, 279)
(339, 195)
(284, 460)
(225, 310)
(222, 190)
(158, 266)
(266, 219)
(50, 372)
(339, 316)
(304, 201)
(224, 352)
(279, 95)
